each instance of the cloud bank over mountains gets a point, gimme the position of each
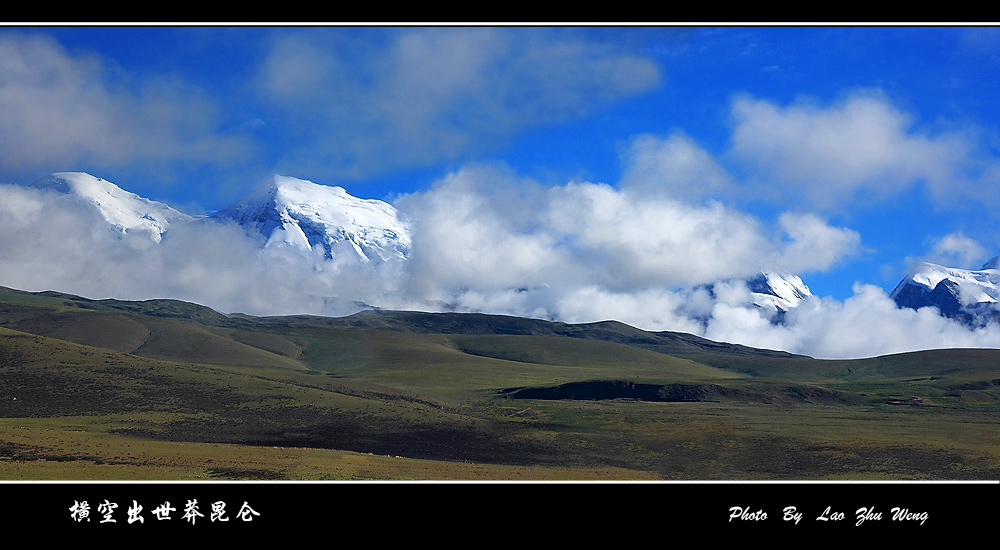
(484, 240)
(486, 141)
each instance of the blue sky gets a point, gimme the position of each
(850, 152)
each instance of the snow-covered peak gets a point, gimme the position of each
(777, 289)
(972, 297)
(124, 211)
(773, 293)
(969, 287)
(303, 214)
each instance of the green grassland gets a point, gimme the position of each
(104, 389)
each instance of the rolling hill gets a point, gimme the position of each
(161, 389)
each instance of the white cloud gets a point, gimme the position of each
(956, 250)
(814, 245)
(659, 309)
(419, 95)
(61, 109)
(869, 323)
(588, 252)
(674, 167)
(861, 147)
(630, 241)
(486, 240)
(739, 324)
(475, 230)
(483, 228)
(866, 324)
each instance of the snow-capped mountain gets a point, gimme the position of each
(970, 296)
(303, 214)
(285, 210)
(774, 293)
(779, 290)
(126, 212)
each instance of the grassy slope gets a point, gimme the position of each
(144, 335)
(313, 400)
(112, 402)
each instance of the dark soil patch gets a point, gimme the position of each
(45, 391)
(621, 389)
(328, 428)
(672, 393)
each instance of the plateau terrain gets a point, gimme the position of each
(172, 390)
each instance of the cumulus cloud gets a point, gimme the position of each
(866, 324)
(657, 308)
(415, 96)
(861, 147)
(477, 229)
(632, 242)
(593, 252)
(482, 228)
(955, 250)
(813, 244)
(63, 109)
(486, 240)
(869, 323)
(675, 167)
(483, 238)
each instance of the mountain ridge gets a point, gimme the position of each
(666, 342)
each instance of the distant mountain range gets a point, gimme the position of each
(328, 221)
(285, 211)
